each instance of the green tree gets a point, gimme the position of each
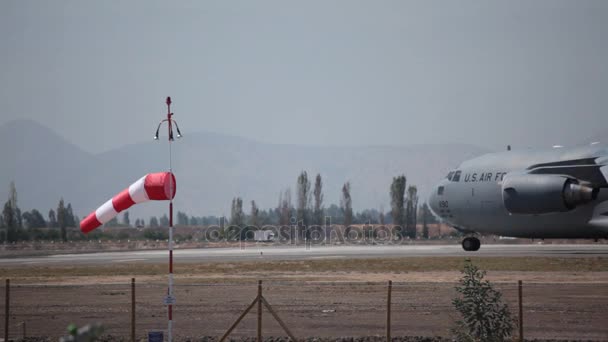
(236, 212)
(484, 316)
(254, 218)
(346, 205)
(182, 218)
(303, 200)
(284, 208)
(70, 220)
(62, 220)
(52, 219)
(34, 219)
(153, 222)
(126, 220)
(156, 234)
(112, 223)
(237, 219)
(17, 224)
(398, 204)
(11, 216)
(8, 215)
(164, 221)
(335, 213)
(318, 198)
(411, 210)
(425, 213)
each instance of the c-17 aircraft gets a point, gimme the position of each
(556, 193)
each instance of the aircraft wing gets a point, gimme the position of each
(593, 171)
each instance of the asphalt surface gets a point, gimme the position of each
(311, 253)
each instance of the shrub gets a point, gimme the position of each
(155, 234)
(484, 316)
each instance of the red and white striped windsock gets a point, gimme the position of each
(151, 187)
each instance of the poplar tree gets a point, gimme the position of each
(318, 198)
(411, 209)
(254, 217)
(346, 205)
(285, 208)
(397, 204)
(70, 220)
(237, 219)
(61, 220)
(18, 223)
(303, 193)
(425, 217)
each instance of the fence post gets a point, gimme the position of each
(132, 309)
(7, 295)
(259, 311)
(388, 311)
(521, 312)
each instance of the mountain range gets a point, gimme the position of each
(210, 169)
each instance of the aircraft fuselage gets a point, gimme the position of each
(471, 197)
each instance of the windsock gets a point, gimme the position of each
(151, 187)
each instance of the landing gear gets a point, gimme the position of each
(471, 244)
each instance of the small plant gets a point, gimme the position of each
(484, 316)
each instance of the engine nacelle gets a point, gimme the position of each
(543, 194)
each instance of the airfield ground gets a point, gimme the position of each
(564, 297)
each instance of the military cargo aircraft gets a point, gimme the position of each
(555, 193)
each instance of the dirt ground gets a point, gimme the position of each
(313, 301)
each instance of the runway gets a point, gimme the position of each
(263, 253)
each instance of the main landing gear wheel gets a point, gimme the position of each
(471, 244)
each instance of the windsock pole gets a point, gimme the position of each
(170, 298)
(170, 306)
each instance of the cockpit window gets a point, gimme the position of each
(456, 176)
(440, 190)
(449, 177)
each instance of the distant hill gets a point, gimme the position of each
(210, 168)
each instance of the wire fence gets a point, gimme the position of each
(321, 309)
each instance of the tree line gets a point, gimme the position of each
(20, 226)
(306, 210)
(309, 210)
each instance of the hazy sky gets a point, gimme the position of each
(309, 72)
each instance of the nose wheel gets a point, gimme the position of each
(471, 244)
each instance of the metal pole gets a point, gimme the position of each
(7, 295)
(259, 311)
(521, 312)
(24, 332)
(170, 308)
(170, 299)
(132, 309)
(388, 311)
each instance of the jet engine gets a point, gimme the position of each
(543, 194)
